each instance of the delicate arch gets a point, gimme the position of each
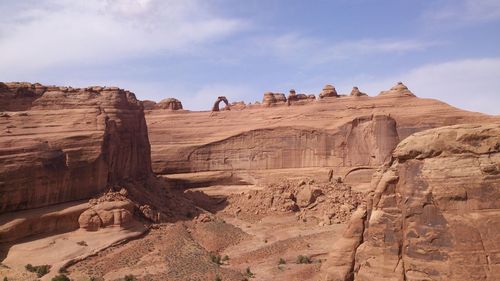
(216, 103)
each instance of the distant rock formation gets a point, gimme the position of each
(169, 103)
(294, 98)
(433, 212)
(399, 90)
(61, 144)
(220, 99)
(357, 93)
(271, 99)
(328, 91)
(148, 104)
(238, 105)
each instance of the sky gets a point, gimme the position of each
(196, 50)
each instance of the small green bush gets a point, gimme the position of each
(40, 270)
(60, 277)
(303, 259)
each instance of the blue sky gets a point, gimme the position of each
(196, 50)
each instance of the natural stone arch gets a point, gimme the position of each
(216, 104)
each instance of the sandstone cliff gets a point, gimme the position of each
(61, 144)
(433, 213)
(342, 132)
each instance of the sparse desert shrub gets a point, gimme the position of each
(5, 279)
(129, 277)
(303, 259)
(216, 259)
(217, 278)
(281, 261)
(40, 270)
(225, 258)
(60, 277)
(249, 273)
(82, 243)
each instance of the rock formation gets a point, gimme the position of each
(356, 93)
(148, 104)
(363, 141)
(169, 103)
(338, 132)
(61, 144)
(294, 98)
(399, 90)
(220, 99)
(433, 213)
(238, 105)
(328, 91)
(272, 99)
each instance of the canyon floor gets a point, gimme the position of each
(230, 240)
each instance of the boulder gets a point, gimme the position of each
(169, 103)
(357, 93)
(272, 99)
(399, 90)
(328, 91)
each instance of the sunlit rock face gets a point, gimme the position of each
(61, 144)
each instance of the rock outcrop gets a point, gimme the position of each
(61, 144)
(357, 93)
(220, 99)
(148, 104)
(310, 135)
(433, 213)
(328, 91)
(169, 103)
(294, 98)
(399, 90)
(363, 141)
(272, 99)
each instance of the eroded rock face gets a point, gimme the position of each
(399, 90)
(169, 103)
(357, 93)
(220, 99)
(61, 144)
(364, 141)
(434, 212)
(328, 91)
(271, 99)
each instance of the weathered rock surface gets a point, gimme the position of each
(434, 212)
(328, 91)
(342, 132)
(357, 93)
(220, 99)
(272, 99)
(169, 103)
(61, 144)
(399, 90)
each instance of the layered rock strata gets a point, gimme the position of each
(315, 134)
(61, 144)
(433, 213)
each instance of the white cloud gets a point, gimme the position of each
(314, 51)
(459, 12)
(56, 32)
(470, 84)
